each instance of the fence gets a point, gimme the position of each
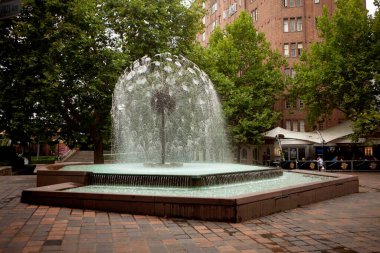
(345, 165)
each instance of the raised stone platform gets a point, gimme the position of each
(232, 209)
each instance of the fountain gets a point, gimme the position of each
(165, 109)
(172, 157)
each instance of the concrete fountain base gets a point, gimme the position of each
(230, 209)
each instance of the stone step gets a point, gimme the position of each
(81, 156)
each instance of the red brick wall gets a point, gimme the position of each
(271, 14)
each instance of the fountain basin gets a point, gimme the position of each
(235, 208)
(137, 174)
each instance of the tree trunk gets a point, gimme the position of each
(97, 139)
(238, 153)
(98, 146)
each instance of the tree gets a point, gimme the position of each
(152, 27)
(247, 76)
(61, 59)
(339, 72)
(60, 65)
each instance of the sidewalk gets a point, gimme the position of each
(344, 225)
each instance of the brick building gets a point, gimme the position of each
(290, 27)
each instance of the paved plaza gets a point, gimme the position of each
(344, 225)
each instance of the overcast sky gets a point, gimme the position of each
(370, 6)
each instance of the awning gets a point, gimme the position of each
(325, 136)
(293, 142)
(338, 131)
(306, 136)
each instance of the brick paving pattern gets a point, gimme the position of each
(345, 225)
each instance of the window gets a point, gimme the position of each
(299, 48)
(224, 14)
(203, 36)
(288, 125)
(293, 74)
(255, 154)
(204, 20)
(285, 3)
(298, 3)
(292, 24)
(302, 126)
(293, 50)
(286, 50)
(301, 104)
(299, 24)
(293, 153)
(244, 154)
(288, 104)
(214, 7)
(316, 1)
(368, 151)
(213, 25)
(321, 125)
(254, 15)
(286, 25)
(232, 9)
(291, 3)
(295, 126)
(288, 72)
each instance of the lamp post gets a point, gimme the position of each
(58, 140)
(322, 142)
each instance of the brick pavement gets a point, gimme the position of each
(345, 225)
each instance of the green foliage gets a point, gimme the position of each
(59, 61)
(338, 72)
(43, 160)
(151, 27)
(247, 76)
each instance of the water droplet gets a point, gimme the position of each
(168, 69)
(191, 70)
(142, 69)
(185, 88)
(141, 80)
(136, 64)
(195, 81)
(131, 75)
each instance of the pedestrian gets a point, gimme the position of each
(321, 166)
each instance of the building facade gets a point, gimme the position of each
(290, 26)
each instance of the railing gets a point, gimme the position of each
(345, 165)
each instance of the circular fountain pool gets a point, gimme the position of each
(187, 169)
(212, 191)
(188, 175)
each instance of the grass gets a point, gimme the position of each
(43, 160)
